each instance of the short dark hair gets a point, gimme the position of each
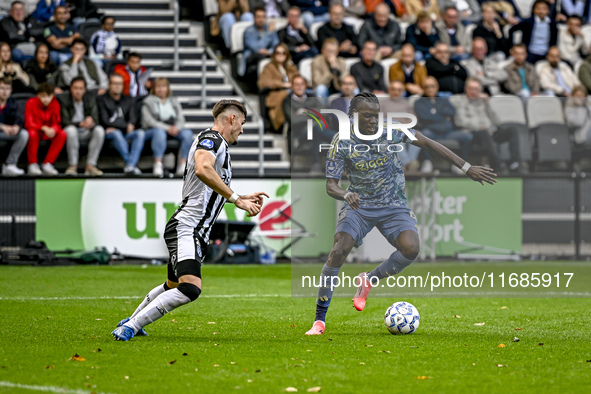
(45, 87)
(222, 105)
(539, 2)
(257, 9)
(6, 81)
(115, 75)
(78, 79)
(79, 41)
(575, 17)
(363, 97)
(105, 17)
(16, 2)
(133, 54)
(298, 76)
(58, 7)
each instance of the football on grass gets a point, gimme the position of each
(402, 318)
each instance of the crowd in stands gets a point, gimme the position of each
(74, 91)
(465, 50)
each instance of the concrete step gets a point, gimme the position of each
(160, 27)
(156, 39)
(185, 65)
(135, 15)
(194, 90)
(167, 52)
(133, 5)
(190, 77)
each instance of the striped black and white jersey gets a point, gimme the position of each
(201, 205)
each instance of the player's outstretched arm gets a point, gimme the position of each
(477, 173)
(205, 171)
(335, 191)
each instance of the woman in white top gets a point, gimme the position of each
(162, 118)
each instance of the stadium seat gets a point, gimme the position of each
(87, 29)
(349, 62)
(280, 23)
(524, 7)
(586, 29)
(314, 27)
(262, 65)
(403, 27)
(469, 31)
(509, 113)
(387, 63)
(305, 68)
(210, 7)
(577, 67)
(539, 65)
(356, 23)
(552, 137)
(330, 98)
(237, 36)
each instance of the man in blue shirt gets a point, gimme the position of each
(259, 42)
(539, 32)
(375, 198)
(60, 36)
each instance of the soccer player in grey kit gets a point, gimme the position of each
(375, 198)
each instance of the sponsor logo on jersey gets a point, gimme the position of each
(207, 143)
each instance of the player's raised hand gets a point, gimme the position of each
(252, 208)
(482, 174)
(256, 197)
(353, 199)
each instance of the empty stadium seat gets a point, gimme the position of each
(509, 113)
(349, 62)
(237, 36)
(542, 110)
(355, 23)
(387, 63)
(87, 29)
(305, 68)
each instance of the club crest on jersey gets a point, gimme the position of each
(207, 143)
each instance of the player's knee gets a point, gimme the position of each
(190, 290)
(410, 252)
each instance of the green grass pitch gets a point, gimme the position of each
(232, 340)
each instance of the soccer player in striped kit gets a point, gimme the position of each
(206, 188)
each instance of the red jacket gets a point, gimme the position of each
(37, 115)
(122, 70)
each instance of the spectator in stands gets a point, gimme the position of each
(539, 32)
(43, 122)
(571, 41)
(46, 9)
(435, 116)
(229, 12)
(570, 8)
(295, 103)
(506, 10)
(473, 114)
(105, 44)
(408, 71)
(398, 104)
(276, 80)
(453, 33)
(335, 28)
(469, 10)
(578, 115)
(522, 78)
(486, 69)
(12, 70)
(556, 77)
(60, 35)
(273, 8)
(83, 11)
(423, 36)
(296, 37)
(490, 29)
(162, 117)
(585, 73)
(348, 90)
(380, 29)
(450, 74)
(80, 120)
(118, 117)
(415, 7)
(368, 73)
(11, 128)
(313, 11)
(42, 69)
(136, 80)
(81, 66)
(327, 69)
(354, 9)
(15, 31)
(259, 41)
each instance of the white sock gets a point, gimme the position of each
(155, 292)
(164, 303)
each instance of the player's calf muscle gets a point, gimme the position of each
(341, 249)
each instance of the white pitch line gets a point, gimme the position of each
(136, 297)
(47, 389)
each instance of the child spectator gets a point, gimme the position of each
(104, 43)
(43, 122)
(11, 128)
(133, 74)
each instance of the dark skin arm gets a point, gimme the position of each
(335, 191)
(477, 173)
